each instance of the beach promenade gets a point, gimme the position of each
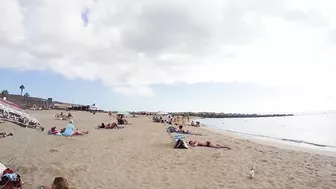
(141, 156)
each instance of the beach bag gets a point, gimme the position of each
(181, 144)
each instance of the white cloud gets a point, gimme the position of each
(131, 45)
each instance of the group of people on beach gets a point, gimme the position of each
(174, 120)
(181, 130)
(120, 121)
(61, 116)
(69, 130)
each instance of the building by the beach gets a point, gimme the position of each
(29, 102)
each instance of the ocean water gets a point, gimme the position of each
(313, 131)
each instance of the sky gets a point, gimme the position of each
(172, 55)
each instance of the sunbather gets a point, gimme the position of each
(4, 134)
(59, 183)
(181, 130)
(206, 144)
(71, 131)
(108, 126)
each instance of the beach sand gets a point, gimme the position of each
(141, 156)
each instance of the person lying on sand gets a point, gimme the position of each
(59, 183)
(206, 144)
(108, 126)
(181, 130)
(71, 131)
(4, 134)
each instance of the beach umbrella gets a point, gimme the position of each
(123, 112)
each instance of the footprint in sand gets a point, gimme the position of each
(216, 155)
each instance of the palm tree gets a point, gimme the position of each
(22, 87)
(26, 95)
(4, 93)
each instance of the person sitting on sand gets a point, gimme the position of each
(192, 123)
(71, 131)
(70, 116)
(198, 124)
(59, 183)
(122, 121)
(54, 131)
(4, 134)
(206, 144)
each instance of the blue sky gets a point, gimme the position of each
(230, 97)
(170, 55)
(234, 96)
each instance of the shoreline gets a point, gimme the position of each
(271, 143)
(287, 145)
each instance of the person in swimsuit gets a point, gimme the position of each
(206, 144)
(181, 130)
(108, 126)
(3, 135)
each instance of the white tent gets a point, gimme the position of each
(93, 108)
(162, 113)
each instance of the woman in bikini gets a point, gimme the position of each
(108, 126)
(206, 144)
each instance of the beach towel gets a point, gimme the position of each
(171, 129)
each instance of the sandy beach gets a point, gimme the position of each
(142, 156)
